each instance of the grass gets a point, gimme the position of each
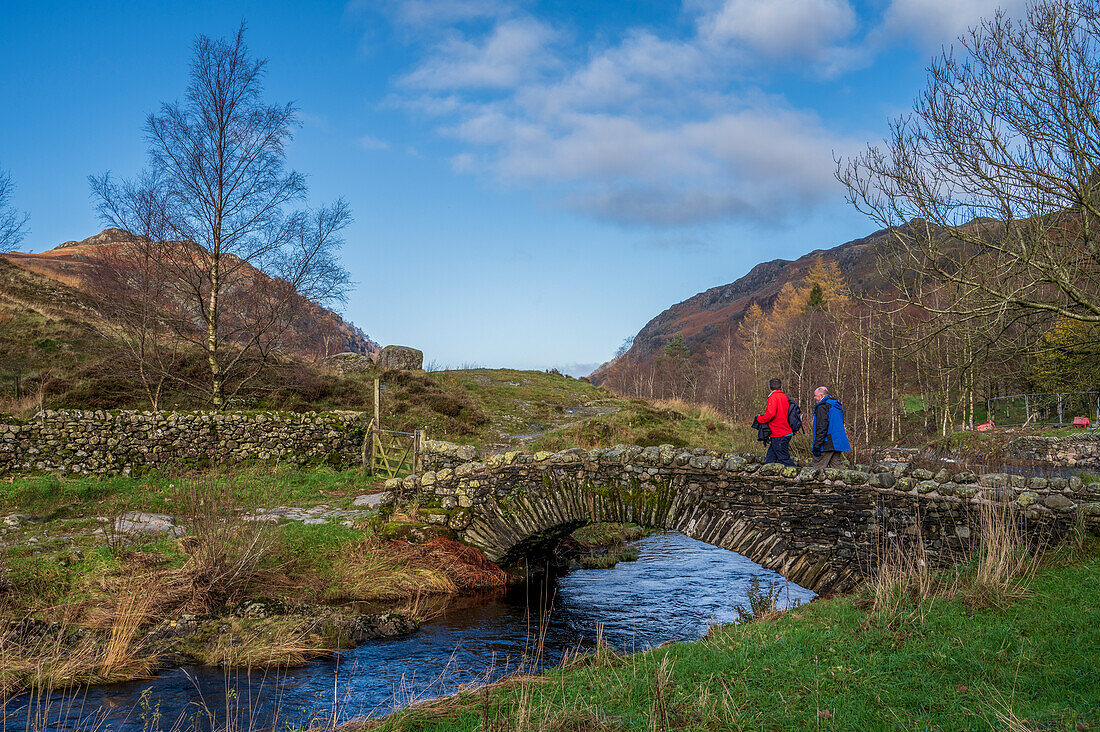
(523, 402)
(69, 567)
(594, 536)
(652, 423)
(68, 657)
(255, 486)
(946, 658)
(603, 545)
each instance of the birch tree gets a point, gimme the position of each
(216, 204)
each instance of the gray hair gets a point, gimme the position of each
(821, 388)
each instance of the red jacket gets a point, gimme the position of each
(775, 416)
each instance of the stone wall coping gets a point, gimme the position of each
(666, 459)
(101, 414)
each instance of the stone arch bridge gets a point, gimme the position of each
(821, 529)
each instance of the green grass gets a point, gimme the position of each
(608, 534)
(911, 403)
(644, 423)
(523, 402)
(256, 486)
(831, 665)
(315, 548)
(58, 556)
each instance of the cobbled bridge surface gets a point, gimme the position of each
(821, 529)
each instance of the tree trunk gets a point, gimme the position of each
(217, 379)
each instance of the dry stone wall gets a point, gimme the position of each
(438, 455)
(822, 529)
(1071, 451)
(101, 442)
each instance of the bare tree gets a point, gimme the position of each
(214, 204)
(992, 183)
(13, 223)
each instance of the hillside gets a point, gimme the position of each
(703, 317)
(59, 280)
(59, 349)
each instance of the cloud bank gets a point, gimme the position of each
(654, 128)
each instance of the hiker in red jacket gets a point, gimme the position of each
(775, 417)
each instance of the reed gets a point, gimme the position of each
(1004, 562)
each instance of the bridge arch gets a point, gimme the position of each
(820, 529)
(529, 522)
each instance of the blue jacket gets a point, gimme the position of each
(829, 431)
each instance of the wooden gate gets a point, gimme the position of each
(391, 454)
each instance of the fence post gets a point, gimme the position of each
(1027, 409)
(1060, 420)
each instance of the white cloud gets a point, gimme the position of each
(938, 22)
(433, 13)
(781, 28)
(513, 51)
(756, 164)
(463, 163)
(641, 131)
(370, 142)
(623, 74)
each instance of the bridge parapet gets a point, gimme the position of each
(822, 529)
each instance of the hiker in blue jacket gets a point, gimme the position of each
(830, 438)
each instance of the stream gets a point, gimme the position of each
(675, 590)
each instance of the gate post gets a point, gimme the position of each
(377, 406)
(368, 449)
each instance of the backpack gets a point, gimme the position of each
(794, 417)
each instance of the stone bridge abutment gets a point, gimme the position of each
(821, 529)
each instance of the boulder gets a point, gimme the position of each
(139, 522)
(350, 363)
(401, 358)
(370, 500)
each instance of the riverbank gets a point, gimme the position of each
(112, 579)
(116, 578)
(954, 655)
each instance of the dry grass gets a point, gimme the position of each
(275, 643)
(376, 570)
(32, 401)
(1005, 560)
(227, 560)
(695, 411)
(65, 657)
(902, 580)
(124, 657)
(1000, 568)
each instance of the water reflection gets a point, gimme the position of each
(675, 590)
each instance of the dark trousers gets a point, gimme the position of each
(779, 450)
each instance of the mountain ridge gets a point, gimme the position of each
(703, 316)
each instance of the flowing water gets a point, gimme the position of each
(675, 590)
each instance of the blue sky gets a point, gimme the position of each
(531, 181)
